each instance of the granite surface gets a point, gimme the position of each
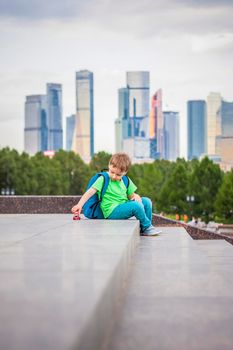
(63, 205)
(60, 279)
(179, 295)
(195, 232)
(37, 204)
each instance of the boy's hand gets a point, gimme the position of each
(135, 197)
(76, 209)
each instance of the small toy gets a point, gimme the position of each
(76, 216)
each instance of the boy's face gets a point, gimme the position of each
(115, 173)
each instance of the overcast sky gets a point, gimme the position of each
(187, 45)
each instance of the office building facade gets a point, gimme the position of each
(54, 116)
(36, 128)
(213, 106)
(225, 139)
(70, 127)
(138, 85)
(171, 135)
(83, 141)
(196, 124)
(132, 125)
(156, 126)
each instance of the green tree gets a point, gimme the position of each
(8, 168)
(204, 184)
(224, 199)
(74, 172)
(99, 161)
(172, 198)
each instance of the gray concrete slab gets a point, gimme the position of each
(60, 279)
(175, 299)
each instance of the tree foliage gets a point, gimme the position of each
(167, 183)
(224, 199)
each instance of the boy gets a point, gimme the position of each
(118, 201)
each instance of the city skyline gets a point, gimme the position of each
(43, 42)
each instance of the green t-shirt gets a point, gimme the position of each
(116, 193)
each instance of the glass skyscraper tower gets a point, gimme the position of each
(70, 125)
(54, 110)
(83, 140)
(171, 135)
(36, 129)
(138, 85)
(196, 128)
(132, 124)
(156, 125)
(227, 119)
(213, 106)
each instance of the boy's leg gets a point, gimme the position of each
(129, 209)
(148, 207)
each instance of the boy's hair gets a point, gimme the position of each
(120, 161)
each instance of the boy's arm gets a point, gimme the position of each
(135, 197)
(78, 207)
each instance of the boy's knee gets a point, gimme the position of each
(137, 206)
(146, 201)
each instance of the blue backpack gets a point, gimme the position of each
(91, 208)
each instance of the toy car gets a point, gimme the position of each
(76, 216)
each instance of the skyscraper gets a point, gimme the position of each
(138, 84)
(36, 129)
(122, 123)
(132, 124)
(54, 113)
(156, 125)
(196, 112)
(83, 141)
(70, 125)
(226, 112)
(171, 135)
(213, 106)
(225, 138)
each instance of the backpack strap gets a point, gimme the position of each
(105, 184)
(126, 181)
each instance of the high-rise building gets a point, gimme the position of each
(226, 112)
(196, 112)
(70, 126)
(213, 105)
(36, 129)
(171, 135)
(83, 141)
(225, 138)
(54, 114)
(138, 84)
(156, 125)
(122, 123)
(132, 124)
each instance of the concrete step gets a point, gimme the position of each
(175, 299)
(60, 279)
(219, 253)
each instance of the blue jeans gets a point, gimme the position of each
(141, 210)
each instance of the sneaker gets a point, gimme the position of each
(151, 231)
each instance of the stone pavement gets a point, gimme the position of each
(60, 279)
(98, 285)
(179, 296)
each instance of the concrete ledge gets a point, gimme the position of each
(61, 279)
(195, 232)
(37, 204)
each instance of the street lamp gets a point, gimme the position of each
(190, 200)
(7, 191)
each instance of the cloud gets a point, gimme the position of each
(43, 10)
(102, 9)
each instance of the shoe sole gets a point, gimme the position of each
(152, 234)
